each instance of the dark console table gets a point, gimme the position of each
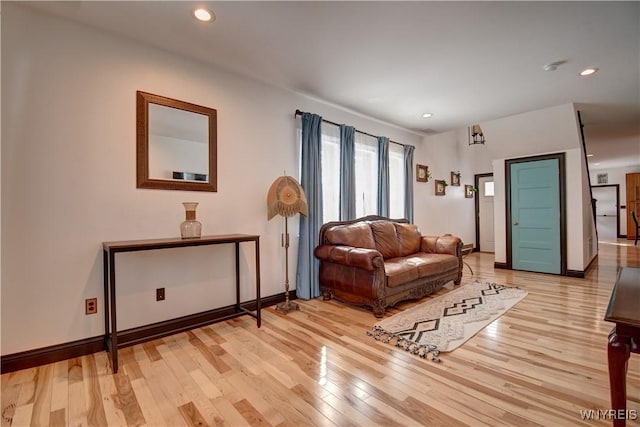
(624, 339)
(110, 249)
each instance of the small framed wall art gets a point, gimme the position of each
(422, 173)
(441, 184)
(603, 178)
(468, 191)
(455, 178)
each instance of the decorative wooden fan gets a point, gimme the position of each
(286, 198)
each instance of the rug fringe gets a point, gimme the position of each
(421, 350)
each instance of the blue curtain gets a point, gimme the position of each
(347, 173)
(408, 182)
(383, 176)
(307, 275)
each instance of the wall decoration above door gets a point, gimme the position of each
(603, 178)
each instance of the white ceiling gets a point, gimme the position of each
(465, 62)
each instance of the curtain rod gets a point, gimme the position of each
(299, 113)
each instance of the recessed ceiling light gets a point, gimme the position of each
(588, 71)
(596, 164)
(204, 15)
(589, 155)
(427, 115)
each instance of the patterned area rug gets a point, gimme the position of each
(444, 323)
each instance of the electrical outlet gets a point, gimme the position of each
(91, 306)
(160, 294)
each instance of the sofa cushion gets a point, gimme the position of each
(433, 264)
(358, 235)
(404, 269)
(399, 271)
(409, 238)
(386, 240)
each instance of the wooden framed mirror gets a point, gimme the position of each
(176, 144)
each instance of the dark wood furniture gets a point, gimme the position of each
(378, 262)
(624, 339)
(110, 249)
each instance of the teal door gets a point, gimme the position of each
(535, 216)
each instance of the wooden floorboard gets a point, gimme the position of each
(540, 364)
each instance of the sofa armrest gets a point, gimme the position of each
(446, 244)
(368, 259)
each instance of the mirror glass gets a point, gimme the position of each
(176, 144)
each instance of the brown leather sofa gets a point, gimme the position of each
(377, 261)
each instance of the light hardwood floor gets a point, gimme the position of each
(542, 363)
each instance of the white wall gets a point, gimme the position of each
(550, 130)
(0, 177)
(616, 176)
(452, 213)
(589, 234)
(68, 180)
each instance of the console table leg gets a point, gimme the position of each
(105, 271)
(114, 325)
(618, 352)
(258, 301)
(237, 276)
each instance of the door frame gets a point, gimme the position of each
(617, 186)
(477, 206)
(563, 210)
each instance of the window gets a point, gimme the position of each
(330, 172)
(366, 174)
(396, 181)
(366, 148)
(488, 189)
